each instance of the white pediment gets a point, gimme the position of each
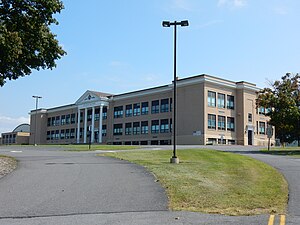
(87, 98)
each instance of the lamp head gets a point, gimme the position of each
(166, 23)
(184, 23)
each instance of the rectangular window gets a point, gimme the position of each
(63, 120)
(118, 112)
(128, 110)
(104, 131)
(144, 127)
(104, 113)
(230, 102)
(221, 141)
(221, 101)
(211, 121)
(261, 110)
(145, 108)
(230, 123)
(136, 128)
(155, 107)
(262, 129)
(48, 135)
(118, 129)
(81, 117)
(72, 118)
(56, 134)
(128, 128)
(52, 121)
(67, 134)
(211, 99)
(164, 105)
(49, 122)
(164, 126)
(97, 114)
(68, 119)
(221, 123)
(62, 134)
(57, 123)
(52, 135)
(89, 115)
(136, 109)
(72, 133)
(81, 132)
(231, 142)
(154, 126)
(250, 117)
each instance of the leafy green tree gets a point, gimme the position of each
(26, 41)
(283, 98)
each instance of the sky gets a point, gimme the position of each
(120, 46)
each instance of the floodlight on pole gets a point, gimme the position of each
(183, 23)
(35, 120)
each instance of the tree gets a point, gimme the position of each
(283, 98)
(26, 41)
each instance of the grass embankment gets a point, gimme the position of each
(287, 151)
(215, 182)
(7, 165)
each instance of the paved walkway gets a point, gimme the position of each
(55, 187)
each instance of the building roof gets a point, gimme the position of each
(101, 94)
(25, 127)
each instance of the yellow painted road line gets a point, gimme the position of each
(282, 220)
(271, 220)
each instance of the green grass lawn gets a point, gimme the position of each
(289, 151)
(215, 182)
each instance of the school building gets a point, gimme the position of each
(210, 110)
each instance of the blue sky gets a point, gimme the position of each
(118, 46)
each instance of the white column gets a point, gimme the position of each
(93, 125)
(100, 124)
(78, 127)
(85, 125)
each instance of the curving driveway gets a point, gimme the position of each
(56, 187)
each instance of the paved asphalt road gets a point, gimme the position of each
(56, 187)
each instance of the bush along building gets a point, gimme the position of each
(210, 110)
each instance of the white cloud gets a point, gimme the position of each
(182, 5)
(117, 64)
(232, 3)
(210, 23)
(280, 10)
(7, 124)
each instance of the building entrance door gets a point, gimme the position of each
(250, 137)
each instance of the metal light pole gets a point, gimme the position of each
(183, 23)
(36, 106)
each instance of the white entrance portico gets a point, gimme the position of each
(90, 101)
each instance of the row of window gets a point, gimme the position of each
(137, 109)
(71, 118)
(7, 136)
(151, 142)
(262, 110)
(213, 141)
(222, 125)
(61, 120)
(135, 128)
(221, 103)
(70, 133)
